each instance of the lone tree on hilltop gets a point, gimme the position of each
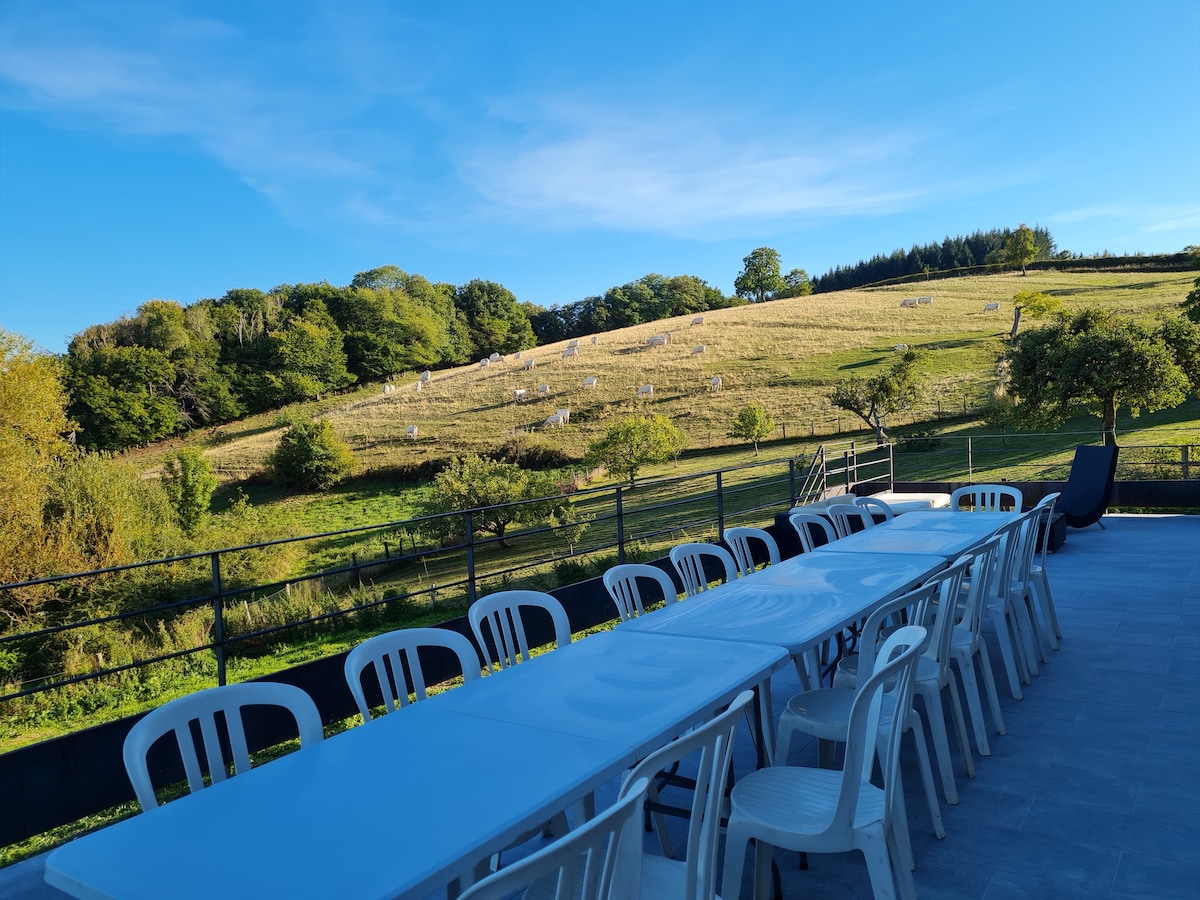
(874, 399)
(632, 443)
(760, 276)
(753, 423)
(1092, 363)
(1021, 247)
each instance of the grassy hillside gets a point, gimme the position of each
(786, 354)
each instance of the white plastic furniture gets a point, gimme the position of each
(934, 676)
(1004, 615)
(802, 521)
(967, 646)
(824, 713)
(845, 515)
(228, 700)
(1039, 583)
(1034, 645)
(499, 627)
(739, 540)
(986, 498)
(874, 505)
(688, 559)
(393, 656)
(597, 861)
(621, 582)
(817, 810)
(707, 751)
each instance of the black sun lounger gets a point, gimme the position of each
(1089, 487)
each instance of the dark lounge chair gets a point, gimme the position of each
(1089, 487)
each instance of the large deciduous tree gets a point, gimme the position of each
(495, 320)
(634, 442)
(1021, 247)
(1093, 363)
(500, 493)
(760, 277)
(874, 399)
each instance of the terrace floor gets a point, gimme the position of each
(1094, 792)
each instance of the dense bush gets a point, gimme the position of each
(311, 456)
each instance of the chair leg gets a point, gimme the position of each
(1004, 640)
(1022, 640)
(989, 683)
(735, 862)
(1040, 587)
(935, 810)
(762, 870)
(960, 721)
(966, 671)
(879, 864)
(941, 741)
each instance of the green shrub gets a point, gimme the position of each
(311, 456)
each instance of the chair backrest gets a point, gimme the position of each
(893, 668)
(1089, 485)
(202, 707)
(982, 572)
(913, 608)
(499, 627)
(712, 746)
(393, 658)
(688, 560)
(949, 586)
(804, 522)
(739, 540)
(844, 516)
(599, 860)
(621, 582)
(986, 497)
(1026, 548)
(874, 505)
(1008, 554)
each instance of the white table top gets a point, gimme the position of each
(892, 537)
(638, 689)
(980, 523)
(381, 810)
(796, 603)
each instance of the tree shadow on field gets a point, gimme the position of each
(1104, 289)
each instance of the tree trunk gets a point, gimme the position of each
(1110, 420)
(1012, 335)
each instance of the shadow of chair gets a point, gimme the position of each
(1089, 486)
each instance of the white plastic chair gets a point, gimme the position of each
(987, 498)
(599, 860)
(393, 658)
(203, 706)
(499, 628)
(621, 582)
(801, 522)
(817, 810)
(874, 505)
(710, 746)
(844, 516)
(1039, 583)
(688, 560)
(968, 645)
(824, 713)
(1004, 614)
(739, 540)
(1034, 644)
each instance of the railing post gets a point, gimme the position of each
(970, 463)
(470, 526)
(620, 528)
(1184, 461)
(791, 482)
(720, 508)
(218, 600)
(854, 461)
(846, 469)
(891, 467)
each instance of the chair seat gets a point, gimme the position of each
(664, 879)
(823, 712)
(800, 800)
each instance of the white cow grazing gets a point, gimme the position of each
(595, 340)
(411, 432)
(924, 301)
(517, 355)
(390, 388)
(570, 353)
(656, 340)
(495, 357)
(697, 350)
(520, 394)
(543, 390)
(425, 376)
(529, 364)
(714, 383)
(417, 387)
(564, 414)
(554, 421)
(646, 390)
(991, 307)
(590, 381)
(699, 320)
(908, 303)
(484, 363)
(571, 344)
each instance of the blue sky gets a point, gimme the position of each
(175, 150)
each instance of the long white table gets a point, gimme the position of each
(978, 523)
(797, 603)
(405, 804)
(945, 534)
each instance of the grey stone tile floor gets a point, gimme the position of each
(1094, 792)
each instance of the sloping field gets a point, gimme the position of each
(786, 354)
